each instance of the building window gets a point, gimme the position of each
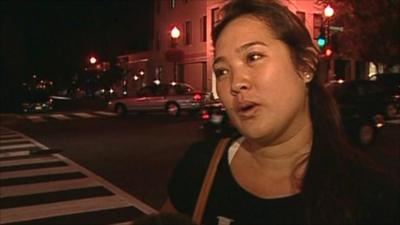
(172, 3)
(188, 32)
(203, 29)
(302, 16)
(317, 24)
(214, 17)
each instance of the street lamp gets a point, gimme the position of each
(175, 32)
(174, 55)
(328, 13)
(92, 60)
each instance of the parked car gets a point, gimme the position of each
(369, 97)
(364, 106)
(171, 98)
(216, 121)
(391, 81)
(36, 101)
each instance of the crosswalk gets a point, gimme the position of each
(40, 186)
(68, 116)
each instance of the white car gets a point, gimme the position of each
(172, 98)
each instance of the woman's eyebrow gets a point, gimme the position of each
(248, 45)
(218, 60)
(240, 49)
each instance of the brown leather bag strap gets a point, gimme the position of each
(208, 181)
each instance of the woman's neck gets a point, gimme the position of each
(282, 157)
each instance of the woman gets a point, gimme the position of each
(290, 164)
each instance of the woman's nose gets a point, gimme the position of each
(238, 86)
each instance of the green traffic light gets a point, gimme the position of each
(321, 41)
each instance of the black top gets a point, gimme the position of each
(229, 203)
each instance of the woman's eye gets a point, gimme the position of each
(220, 72)
(253, 57)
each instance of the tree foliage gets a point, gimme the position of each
(371, 29)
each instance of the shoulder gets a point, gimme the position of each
(186, 180)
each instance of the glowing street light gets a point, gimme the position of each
(92, 60)
(328, 11)
(175, 32)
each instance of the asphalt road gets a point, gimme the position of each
(137, 153)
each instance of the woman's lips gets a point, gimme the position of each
(246, 110)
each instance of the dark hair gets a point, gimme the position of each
(329, 186)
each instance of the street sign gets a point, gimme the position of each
(335, 28)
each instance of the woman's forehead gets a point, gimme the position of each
(243, 29)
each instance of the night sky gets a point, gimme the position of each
(54, 39)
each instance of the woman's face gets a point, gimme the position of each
(266, 98)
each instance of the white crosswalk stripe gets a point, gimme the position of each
(17, 146)
(11, 140)
(67, 116)
(60, 116)
(84, 115)
(105, 113)
(14, 154)
(51, 189)
(9, 136)
(36, 119)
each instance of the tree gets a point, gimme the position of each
(371, 29)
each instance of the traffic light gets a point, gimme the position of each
(327, 52)
(322, 41)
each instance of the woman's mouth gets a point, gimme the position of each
(246, 110)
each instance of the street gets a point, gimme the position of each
(137, 153)
(132, 152)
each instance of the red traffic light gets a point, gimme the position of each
(328, 52)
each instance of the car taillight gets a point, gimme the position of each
(197, 97)
(379, 121)
(205, 115)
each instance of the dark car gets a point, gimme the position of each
(364, 107)
(216, 121)
(391, 81)
(36, 101)
(172, 98)
(368, 97)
